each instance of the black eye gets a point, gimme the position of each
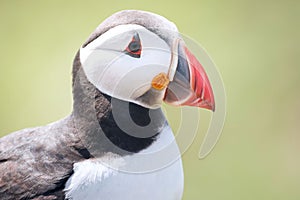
(134, 48)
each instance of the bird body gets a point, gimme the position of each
(95, 178)
(116, 143)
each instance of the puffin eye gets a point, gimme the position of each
(134, 48)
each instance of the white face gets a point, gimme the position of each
(120, 74)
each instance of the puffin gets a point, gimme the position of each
(116, 143)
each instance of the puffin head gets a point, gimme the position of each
(139, 57)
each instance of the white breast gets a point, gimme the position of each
(148, 175)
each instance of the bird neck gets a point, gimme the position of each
(106, 124)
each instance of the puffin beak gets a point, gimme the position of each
(189, 85)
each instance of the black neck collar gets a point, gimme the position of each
(131, 127)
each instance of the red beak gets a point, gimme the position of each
(190, 85)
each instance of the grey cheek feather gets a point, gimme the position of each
(152, 97)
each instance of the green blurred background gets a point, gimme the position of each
(255, 45)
